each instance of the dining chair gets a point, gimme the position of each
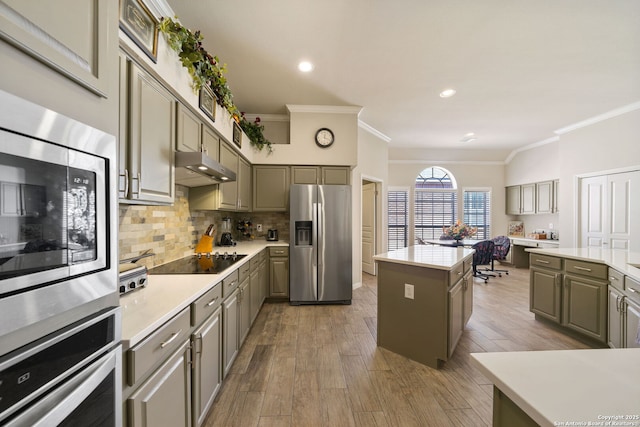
(483, 255)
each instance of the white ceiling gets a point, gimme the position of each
(522, 69)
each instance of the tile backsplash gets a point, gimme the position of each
(171, 232)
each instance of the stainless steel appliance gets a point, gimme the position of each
(272, 235)
(58, 246)
(226, 238)
(70, 377)
(199, 264)
(320, 251)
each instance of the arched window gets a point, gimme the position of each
(435, 203)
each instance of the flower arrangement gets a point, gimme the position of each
(459, 231)
(205, 69)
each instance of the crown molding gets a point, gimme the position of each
(362, 125)
(325, 109)
(449, 162)
(600, 118)
(530, 147)
(268, 117)
(160, 8)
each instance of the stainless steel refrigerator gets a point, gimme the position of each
(320, 247)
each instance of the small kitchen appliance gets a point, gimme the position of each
(272, 235)
(226, 239)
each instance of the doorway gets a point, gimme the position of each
(370, 222)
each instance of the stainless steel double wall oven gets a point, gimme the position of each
(60, 360)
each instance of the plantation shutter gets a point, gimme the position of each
(397, 213)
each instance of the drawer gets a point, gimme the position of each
(278, 251)
(157, 346)
(545, 261)
(616, 279)
(632, 289)
(243, 271)
(229, 284)
(456, 273)
(206, 304)
(255, 262)
(588, 269)
(468, 264)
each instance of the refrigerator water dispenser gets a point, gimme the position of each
(303, 233)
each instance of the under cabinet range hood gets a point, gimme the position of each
(195, 169)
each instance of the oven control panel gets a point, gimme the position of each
(131, 277)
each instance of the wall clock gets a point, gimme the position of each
(324, 137)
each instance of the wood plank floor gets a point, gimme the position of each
(320, 366)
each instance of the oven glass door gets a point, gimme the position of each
(52, 212)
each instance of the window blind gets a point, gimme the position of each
(477, 212)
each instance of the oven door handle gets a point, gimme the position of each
(54, 407)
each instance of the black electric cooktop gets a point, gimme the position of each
(213, 264)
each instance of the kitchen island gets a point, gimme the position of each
(425, 298)
(597, 387)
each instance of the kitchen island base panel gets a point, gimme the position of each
(507, 414)
(415, 328)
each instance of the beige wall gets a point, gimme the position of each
(467, 175)
(608, 145)
(373, 160)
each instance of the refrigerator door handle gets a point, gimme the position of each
(316, 247)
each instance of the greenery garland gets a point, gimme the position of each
(206, 69)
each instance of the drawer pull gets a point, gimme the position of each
(612, 278)
(541, 261)
(173, 337)
(633, 290)
(582, 268)
(213, 301)
(279, 252)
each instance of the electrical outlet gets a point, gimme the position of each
(259, 228)
(408, 291)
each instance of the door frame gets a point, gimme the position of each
(378, 221)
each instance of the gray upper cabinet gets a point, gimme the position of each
(146, 150)
(528, 199)
(244, 185)
(210, 143)
(535, 198)
(271, 188)
(513, 200)
(305, 175)
(335, 175)
(544, 197)
(189, 130)
(48, 31)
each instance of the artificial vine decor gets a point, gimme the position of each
(206, 69)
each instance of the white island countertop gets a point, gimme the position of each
(164, 296)
(438, 257)
(569, 387)
(623, 261)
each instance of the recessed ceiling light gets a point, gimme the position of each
(447, 93)
(305, 66)
(468, 137)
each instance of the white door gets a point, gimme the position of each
(610, 210)
(368, 227)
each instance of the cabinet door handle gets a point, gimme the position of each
(581, 268)
(173, 337)
(213, 301)
(611, 278)
(541, 261)
(632, 290)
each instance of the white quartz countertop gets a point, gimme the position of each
(164, 296)
(619, 259)
(524, 241)
(438, 257)
(569, 386)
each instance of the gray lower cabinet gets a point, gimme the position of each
(570, 292)
(279, 272)
(585, 306)
(147, 123)
(206, 342)
(244, 309)
(230, 320)
(616, 318)
(631, 324)
(460, 301)
(256, 283)
(165, 398)
(545, 293)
